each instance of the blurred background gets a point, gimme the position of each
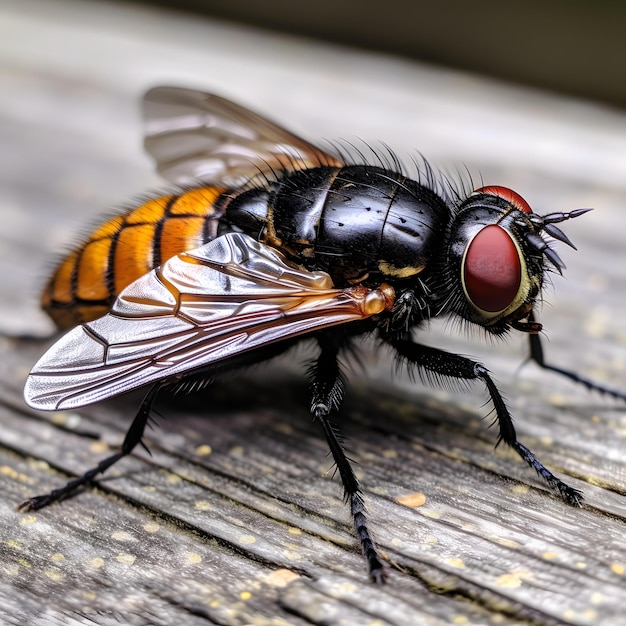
(573, 46)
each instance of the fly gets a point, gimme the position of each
(270, 241)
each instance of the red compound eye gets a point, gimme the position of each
(507, 194)
(492, 270)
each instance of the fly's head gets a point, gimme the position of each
(498, 255)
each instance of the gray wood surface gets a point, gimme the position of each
(235, 517)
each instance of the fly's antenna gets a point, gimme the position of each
(546, 223)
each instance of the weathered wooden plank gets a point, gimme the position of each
(233, 519)
(261, 492)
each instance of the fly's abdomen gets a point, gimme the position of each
(88, 280)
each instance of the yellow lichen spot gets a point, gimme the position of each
(149, 488)
(57, 557)
(25, 563)
(194, 558)
(510, 581)
(347, 588)
(174, 479)
(432, 513)
(247, 539)
(549, 556)
(547, 441)
(14, 543)
(245, 595)
(460, 619)
(292, 530)
(520, 490)
(390, 453)
(98, 447)
(597, 598)
(55, 575)
(617, 568)
(38, 464)
(126, 559)
(292, 554)
(122, 535)
(237, 451)
(590, 614)
(27, 520)
(59, 418)
(455, 562)
(507, 543)
(96, 562)
(152, 527)
(412, 499)
(202, 505)
(280, 577)
(580, 565)
(12, 473)
(557, 399)
(204, 450)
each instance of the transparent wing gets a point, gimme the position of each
(196, 136)
(224, 298)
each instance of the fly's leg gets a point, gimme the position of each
(536, 355)
(133, 437)
(446, 364)
(327, 387)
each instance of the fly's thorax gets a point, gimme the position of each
(359, 223)
(493, 275)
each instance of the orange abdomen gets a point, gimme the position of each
(86, 283)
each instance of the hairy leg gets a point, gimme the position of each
(133, 437)
(327, 387)
(446, 364)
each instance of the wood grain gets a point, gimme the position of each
(235, 517)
